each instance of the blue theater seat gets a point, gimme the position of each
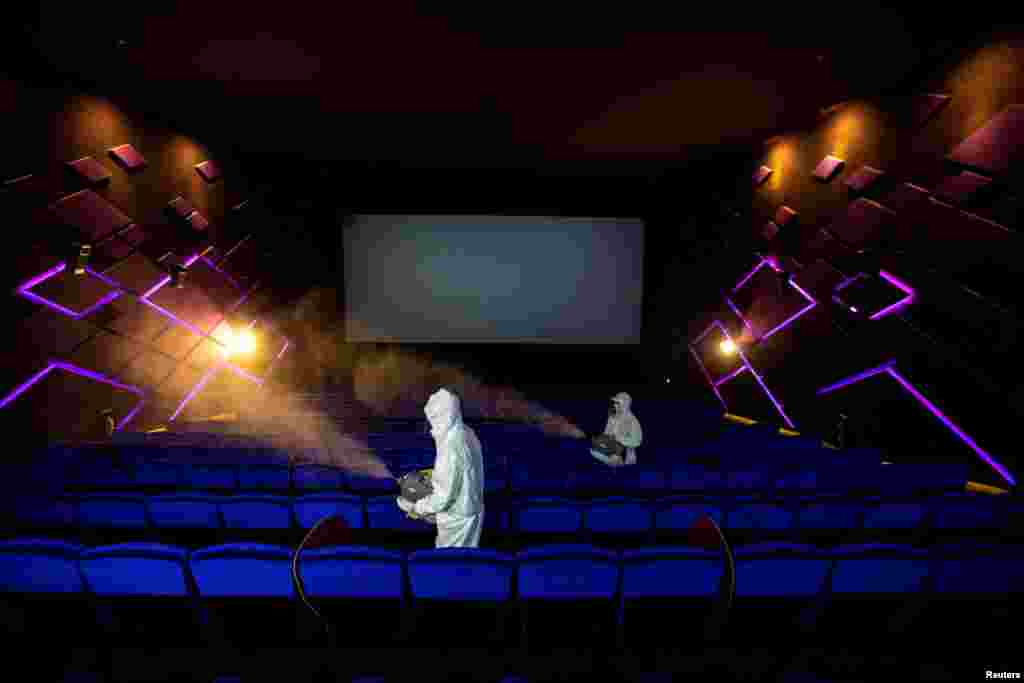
(371, 485)
(695, 479)
(777, 585)
(147, 587)
(759, 518)
(256, 512)
(675, 583)
(318, 478)
(312, 508)
(44, 512)
(359, 591)
(247, 590)
(203, 477)
(880, 587)
(157, 474)
(903, 519)
(468, 586)
(547, 516)
(621, 519)
(642, 479)
(675, 516)
(831, 519)
(273, 478)
(960, 514)
(383, 515)
(184, 511)
(105, 513)
(43, 599)
(566, 594)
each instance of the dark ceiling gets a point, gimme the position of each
(482, 87)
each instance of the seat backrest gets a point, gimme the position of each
(352, 572)
(878, 569)
(969, 512)
(312, 508)
(136, 569)
(548, 515)
(977, 569)
(211, 477)
(461, 574)
(256, 512)
(371, 485)
(680, 513)
(619, 515)
(318, 478)
(243, 570)
(883, 514)
(157, 473)
(187, 511)
(670, 571)
(829, 514)
(784, 570)
(40, 566)
(759, 515)
(122, 511)
(268, 477)
(567, 572)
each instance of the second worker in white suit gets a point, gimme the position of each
(457, 502)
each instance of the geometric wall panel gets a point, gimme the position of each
(75, 297)
(90, 213)
(784, 215)
(56, 367)
(189, 306)
(51, 334)
(215, 284)
(863, 179)
(962, 188)
(198, 222)
(140, 322)
(180, 207)
(208, 170)
(90, 170)
(828, 167)
(177, 341)
(863, 224)
(996, 147)
(127, 157)
(905, 197)
(148, 369)
(874, 297)
(890, 370)
(765, 304)
(106, 353)
(761, 175)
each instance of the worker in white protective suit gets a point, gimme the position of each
(457, 502)
(623, 427)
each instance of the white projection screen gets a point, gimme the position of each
(503, 279)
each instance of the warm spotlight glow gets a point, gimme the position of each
(235, 343)
(728, 347)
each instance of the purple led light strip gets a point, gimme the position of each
(703, 369)
(746, 365)
(732, 374)
(890, 369)
(207, 376)
(82, 372)
(811, 303)
(24, 290)
(223, 272)
(902, 303)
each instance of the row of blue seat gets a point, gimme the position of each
(529, 515)
(548, 572)
(562, 476)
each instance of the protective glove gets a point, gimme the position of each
(407, 507)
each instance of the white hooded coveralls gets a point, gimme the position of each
(625, 428)
(458, 477)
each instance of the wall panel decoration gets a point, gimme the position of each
(828, 168)
(92, 215)
(998, 146)
(862, 180)
(90, 170)
(962, 188)
(127, 157)
(761, 175)
(209, 171)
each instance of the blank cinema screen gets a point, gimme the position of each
(511, 279)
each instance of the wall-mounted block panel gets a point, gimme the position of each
(998, 146)
(873, 296)
(761, 175)
(54, 334)
(180, 208)
(819, 279)
(962, 188)
(784, 215)
(828, 168)
(825, 247)
(209, 171)
(189, 306)
(134, 235)
(106, 353)
(214, 284)
(177, 342)
(108, 252)
(861, 180)
(136, 273)
(744, 396)
(924, 107)
(206, 353)
(864, 224)
(66, 294)
(177, 386)
(92, 215)
(90, 170)
(140, 322)
(198, 222)
(149, 369)
(905, 197)
(127, 157)
(768, 231)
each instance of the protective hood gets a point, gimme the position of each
(443, 411)
(623, 400)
